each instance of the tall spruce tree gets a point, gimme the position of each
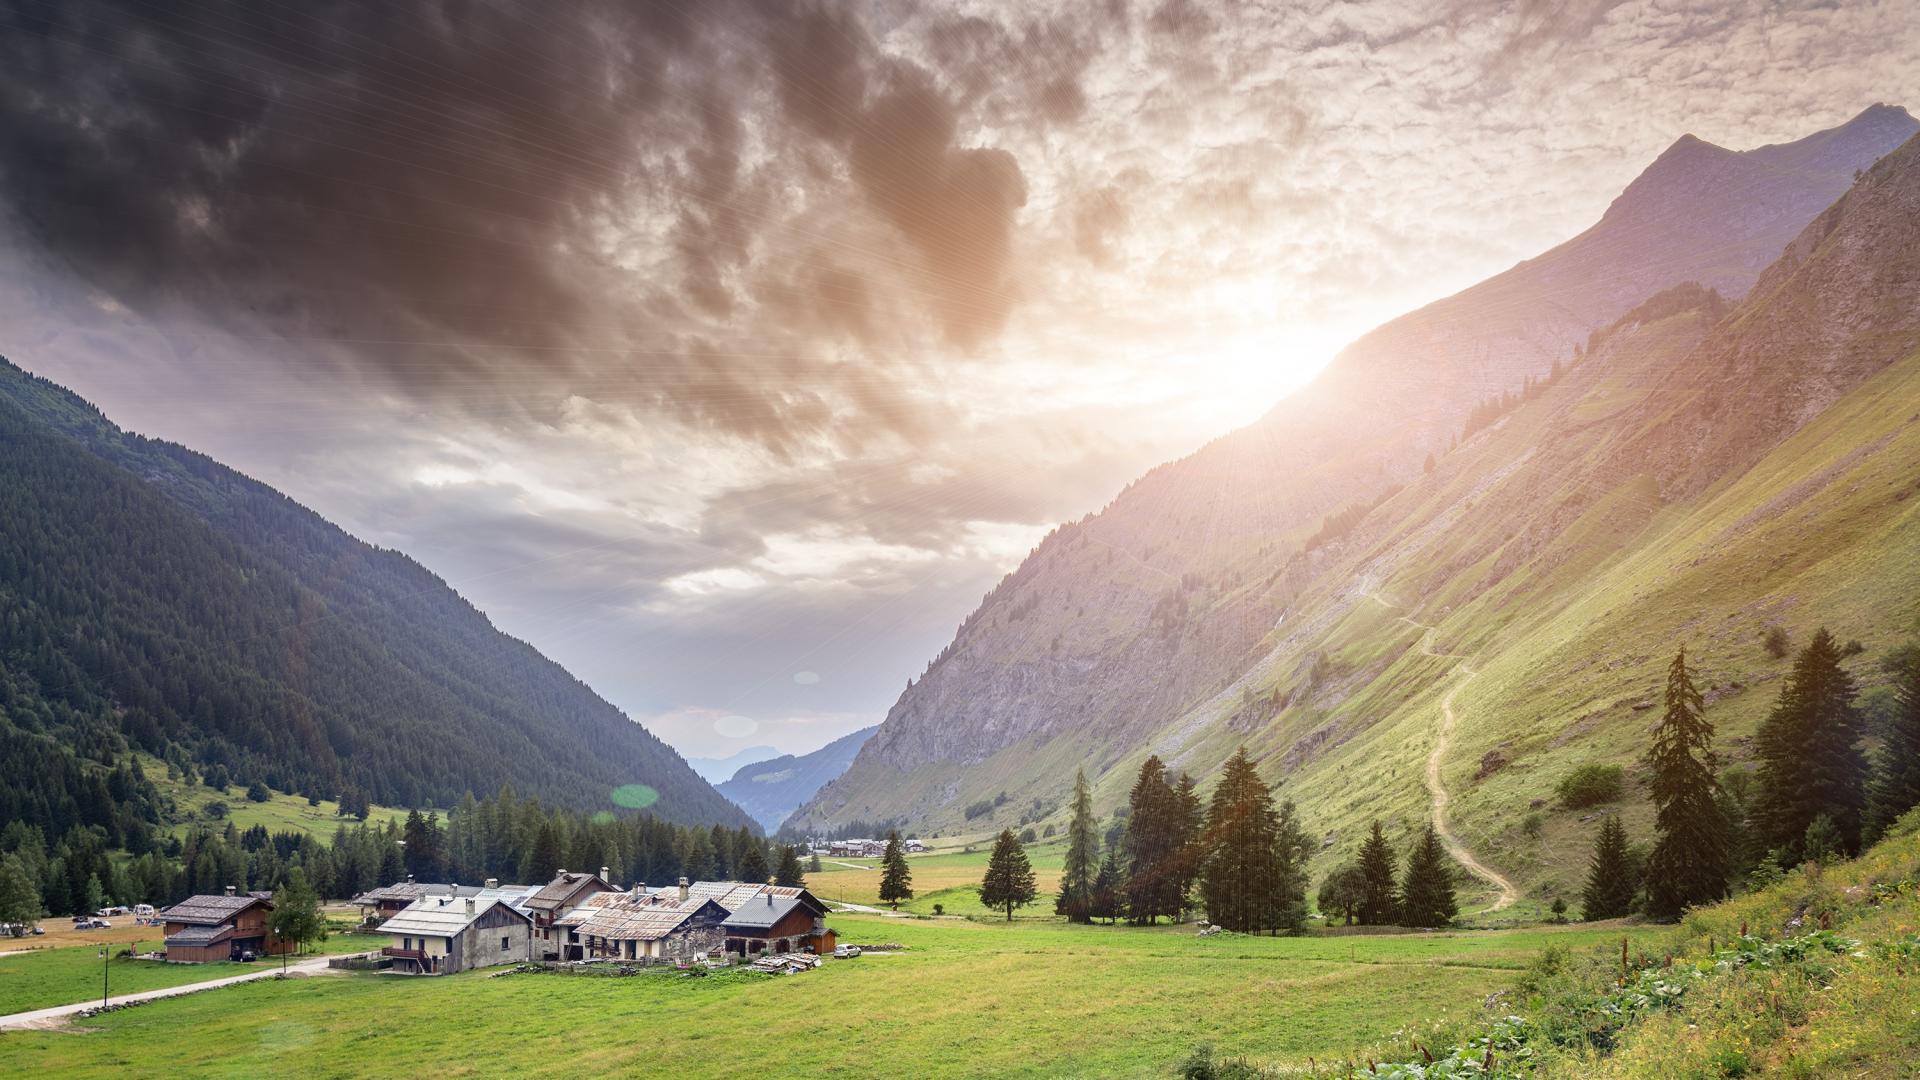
(1240, 881)
(1426, 893)
(896, 880)
(1610, 878)
(1109, 887)
(1810, 759)
(1895, 786)
(1009, 882)
(1379, 897)
(752, 865)
(1296, 849)
(788, 873)
(1190, 851)
(1156, 846)
(1693, 852)
(1083, 857)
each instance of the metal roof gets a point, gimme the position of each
(432, 918)
(209, 910)
(407, 892)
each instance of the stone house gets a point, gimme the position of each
(441, 935)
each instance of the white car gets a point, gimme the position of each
(845, 952)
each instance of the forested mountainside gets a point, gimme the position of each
(155, 599)
(1540, 571)
(772, 789)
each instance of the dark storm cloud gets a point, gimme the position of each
(448, 186)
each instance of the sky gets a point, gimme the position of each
(729, 352)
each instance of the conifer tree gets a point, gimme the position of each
(296, 914)
(1810, 760)
(1156, 845)
(896, 880)
(1296, 849)
(1426, 893)
(1189, 850)
(1610, 884)
(1109, 897)
(544, 861)
(19, 893)
(1895, 786)
(1379, 897)
(753, 864)
(1693, 852)
(1009, 882)
(1083, 857)
(789, 873)
(1240, 882)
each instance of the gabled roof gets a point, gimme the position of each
(431, 918)
(562, 890)
(762, 913)
(734, 895)
(623, 916)
(199, 936)
(210, 910)
(406, 892)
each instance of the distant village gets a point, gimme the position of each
(579, 916)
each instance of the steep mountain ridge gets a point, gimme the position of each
(177, 606)
(1161, 613)
(772, 789)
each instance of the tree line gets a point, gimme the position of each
(1815, 795)
(506, 837)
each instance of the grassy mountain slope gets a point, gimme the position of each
(1162, 601)
(158, 600)
(1538, 579)
(772, 789)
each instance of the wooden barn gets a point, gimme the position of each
(205, 929)
(779, 920)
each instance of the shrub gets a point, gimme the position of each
(1532, 825)
(1026, 835)
(1591, 785)
(978, 809)
(939, 909)
(1775, 641)
(257, 792)
(215, 810)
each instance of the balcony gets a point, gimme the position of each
(404, 954)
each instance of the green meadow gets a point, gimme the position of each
(48, 977)
(965, 999)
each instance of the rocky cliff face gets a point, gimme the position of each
(1162, 604)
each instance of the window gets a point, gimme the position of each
(506, 942)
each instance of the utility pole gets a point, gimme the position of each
(105, 960)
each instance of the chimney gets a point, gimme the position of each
(606, 875)
(493, 883)
(561, 873)
(469, 905)
(229, 890)
(639, 890)
(683, 890)
(409, 879)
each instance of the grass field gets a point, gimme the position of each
(948, 878)
(49, 977)
(965, 999)
(280, 813)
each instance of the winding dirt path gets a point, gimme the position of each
(1442, 740)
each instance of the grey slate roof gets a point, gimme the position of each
(762, 913)
(209, 910)
(431, 918)
(199, 936)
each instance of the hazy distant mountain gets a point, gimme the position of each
(1157, 621)
(770, 790)
(715, 769)
(153, 598)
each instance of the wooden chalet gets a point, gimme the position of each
(204, 929)
(772, 918)
(441, 935)
(555, 899)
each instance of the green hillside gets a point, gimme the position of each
(158, 601)
(184, 805)
(1693, 476)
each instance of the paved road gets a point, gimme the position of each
(43, 1018)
